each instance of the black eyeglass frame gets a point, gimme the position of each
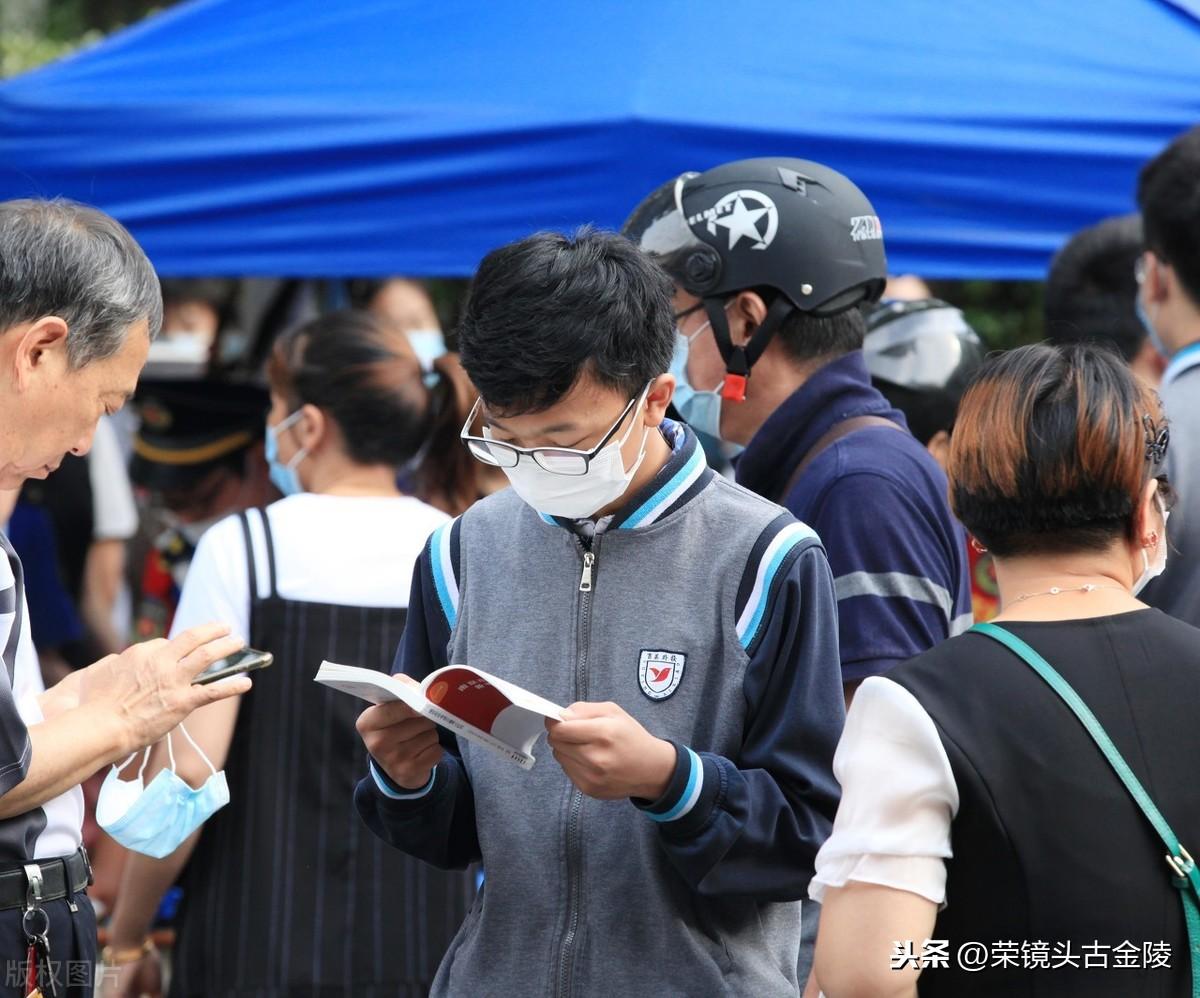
(483, 449)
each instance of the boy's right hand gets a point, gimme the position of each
(403, 743)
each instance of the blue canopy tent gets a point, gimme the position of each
(398, 136)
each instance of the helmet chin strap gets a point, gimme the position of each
(739, 359)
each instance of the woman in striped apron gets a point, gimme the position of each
(285, 893)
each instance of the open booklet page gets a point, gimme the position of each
(472, 703)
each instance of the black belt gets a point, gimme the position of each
(60, 877)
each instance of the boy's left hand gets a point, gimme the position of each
(608, 755)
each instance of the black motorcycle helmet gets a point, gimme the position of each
(790, 226)
(921, 356)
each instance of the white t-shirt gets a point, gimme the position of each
(60, 820)
(899, 798)
(346, 550)
(114, 511)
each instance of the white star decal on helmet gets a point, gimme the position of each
(732, 214)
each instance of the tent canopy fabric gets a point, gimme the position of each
(371, 137)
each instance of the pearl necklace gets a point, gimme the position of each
(1057, 590)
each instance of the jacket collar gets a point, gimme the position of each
(838, 391)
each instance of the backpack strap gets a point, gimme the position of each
(1185, 876)
(831, 437)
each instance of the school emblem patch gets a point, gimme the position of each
(659, 673)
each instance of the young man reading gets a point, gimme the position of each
(690, 625)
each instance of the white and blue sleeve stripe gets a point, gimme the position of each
(786, 541)
(391, 791)
(442, 565)
(686, 800)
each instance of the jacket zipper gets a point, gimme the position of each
(566, 960)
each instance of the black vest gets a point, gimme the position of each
(288, 894)
(1048, 846)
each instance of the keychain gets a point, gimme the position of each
(36, 925)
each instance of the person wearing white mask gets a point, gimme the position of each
(976, 807)
(669, 829)
(320, 574)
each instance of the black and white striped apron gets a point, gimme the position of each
(288, 893)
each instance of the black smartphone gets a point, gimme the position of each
(246, 660)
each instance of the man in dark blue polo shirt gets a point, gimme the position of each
(771, 260)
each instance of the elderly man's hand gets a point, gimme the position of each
(148, 687)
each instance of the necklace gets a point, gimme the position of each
(1056, 590)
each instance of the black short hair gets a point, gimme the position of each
(546, 310)
(1169, 196)
(1090, 288)
(810, 337)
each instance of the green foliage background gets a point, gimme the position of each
(1006, 314)
(34, 33)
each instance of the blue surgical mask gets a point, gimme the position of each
(700, 409)
(428, 345)
(156, 820)
(1159, 345)
(284, 475)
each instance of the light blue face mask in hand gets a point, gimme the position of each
(156, 820)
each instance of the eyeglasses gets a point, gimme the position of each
(556, 460)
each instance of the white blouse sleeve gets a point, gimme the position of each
(898, 798)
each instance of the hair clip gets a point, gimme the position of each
(1156, 440)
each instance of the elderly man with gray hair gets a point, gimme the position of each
(79, 305)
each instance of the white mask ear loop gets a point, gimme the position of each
(633, 423)
(199, 751)
(132, 756)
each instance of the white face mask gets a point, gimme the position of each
(1153, 569)
(578, 496)
(182, 347)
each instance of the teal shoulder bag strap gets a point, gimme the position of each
(1185, 875)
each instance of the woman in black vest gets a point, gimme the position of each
(984, 841)
(285, 892)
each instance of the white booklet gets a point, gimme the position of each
(483, 708)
